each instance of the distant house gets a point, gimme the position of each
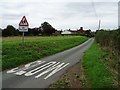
(57, 32)
(88, 33)
(81, 31)
(73, 31)
(66, 32)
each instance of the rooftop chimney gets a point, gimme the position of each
(81, 28)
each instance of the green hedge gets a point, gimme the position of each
(109, 39)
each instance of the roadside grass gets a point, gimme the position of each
(91, 72)
(34, 48)
(96, 71)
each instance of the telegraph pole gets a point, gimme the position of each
(99, 25)
(119, 15)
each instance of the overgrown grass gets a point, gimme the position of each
(35, 48)
(96, 71)
(110, 41)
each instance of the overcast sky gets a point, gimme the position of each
(61, 14)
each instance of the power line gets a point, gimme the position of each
(96, 15)
(93, 5)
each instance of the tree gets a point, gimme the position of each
(10, 31)
(32, 32)
(88, 33)
(46, 28)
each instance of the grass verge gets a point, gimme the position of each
(35, 48)
(96, 71)
(92, 72)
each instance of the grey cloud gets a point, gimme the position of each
(105, 7)
(48, 18)
(78, 9)
(87, 9)
(11, 16)
(7, 5)
(79, 6)
(60, 14)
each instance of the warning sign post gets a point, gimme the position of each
(23, 27)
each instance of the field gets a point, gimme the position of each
(35, 47)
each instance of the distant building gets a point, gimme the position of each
(73, 31)
(57, 32)
(66, 32)
(88, 33)
(81, 31)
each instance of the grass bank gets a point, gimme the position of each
(95, 69)
(92, 72)
(35, 48)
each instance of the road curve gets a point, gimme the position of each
(42, 73)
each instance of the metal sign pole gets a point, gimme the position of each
(23, 27)
(23, 40)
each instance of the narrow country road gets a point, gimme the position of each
(42, 73)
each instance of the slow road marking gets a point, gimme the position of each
(40, 68)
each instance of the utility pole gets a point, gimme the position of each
(99, 25)
(119, 15)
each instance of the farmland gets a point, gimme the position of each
(35, 47)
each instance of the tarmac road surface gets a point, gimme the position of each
(43, 72)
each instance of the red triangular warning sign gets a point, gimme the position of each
(23, 22)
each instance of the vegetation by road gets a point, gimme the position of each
(35, 48)
(91, 72)
(96, 70)
(45, 28)
(110, 41)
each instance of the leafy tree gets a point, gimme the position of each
(46, 28)
(10, 31)
(88, 33)
(33, 31)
